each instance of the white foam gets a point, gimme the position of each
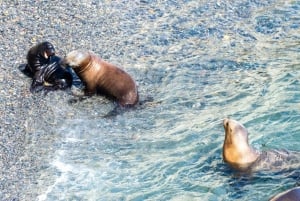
(73, 140)
(43, 196)
(64, 169)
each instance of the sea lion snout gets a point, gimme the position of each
(235, 127)
(231, 126)
(63, 62)
(49, 53)
(49, 50)
(225, 123)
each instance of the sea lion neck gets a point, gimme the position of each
(236, 150)
(240, 159)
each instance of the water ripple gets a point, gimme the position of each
(199, 61)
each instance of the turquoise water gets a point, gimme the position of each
(200, 61)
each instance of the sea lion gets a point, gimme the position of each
(43, 66)
(99, 76)
(38, 56)
(51, 77)
(241, 156)
(289, 195)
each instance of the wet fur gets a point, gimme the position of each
(51, 77)
(241, 156)
(101, 77)
(37, 56)
(45, 70)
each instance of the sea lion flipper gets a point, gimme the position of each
(36, 87)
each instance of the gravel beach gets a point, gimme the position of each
(24, 24)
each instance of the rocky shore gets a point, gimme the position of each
(26, 118)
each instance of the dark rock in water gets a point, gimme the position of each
(289, 195)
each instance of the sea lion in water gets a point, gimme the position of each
(43, 66)
(289, 195)
(241, 156)
(99, 76)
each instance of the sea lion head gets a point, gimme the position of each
(76, 58)
(235, 134)
(47, 50)
(236, 149)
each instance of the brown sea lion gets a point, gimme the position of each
(289, 195)
(241, 156)
(102, 77)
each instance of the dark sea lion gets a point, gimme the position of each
(43, 66)
(52, 76)
(289, 195)
(38, 56)
(99, 76)
(241, 156)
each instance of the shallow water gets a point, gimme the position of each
(200, 61)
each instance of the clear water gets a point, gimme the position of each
(201, 61)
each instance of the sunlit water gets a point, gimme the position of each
(200, 61)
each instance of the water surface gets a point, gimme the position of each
(200, 61)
